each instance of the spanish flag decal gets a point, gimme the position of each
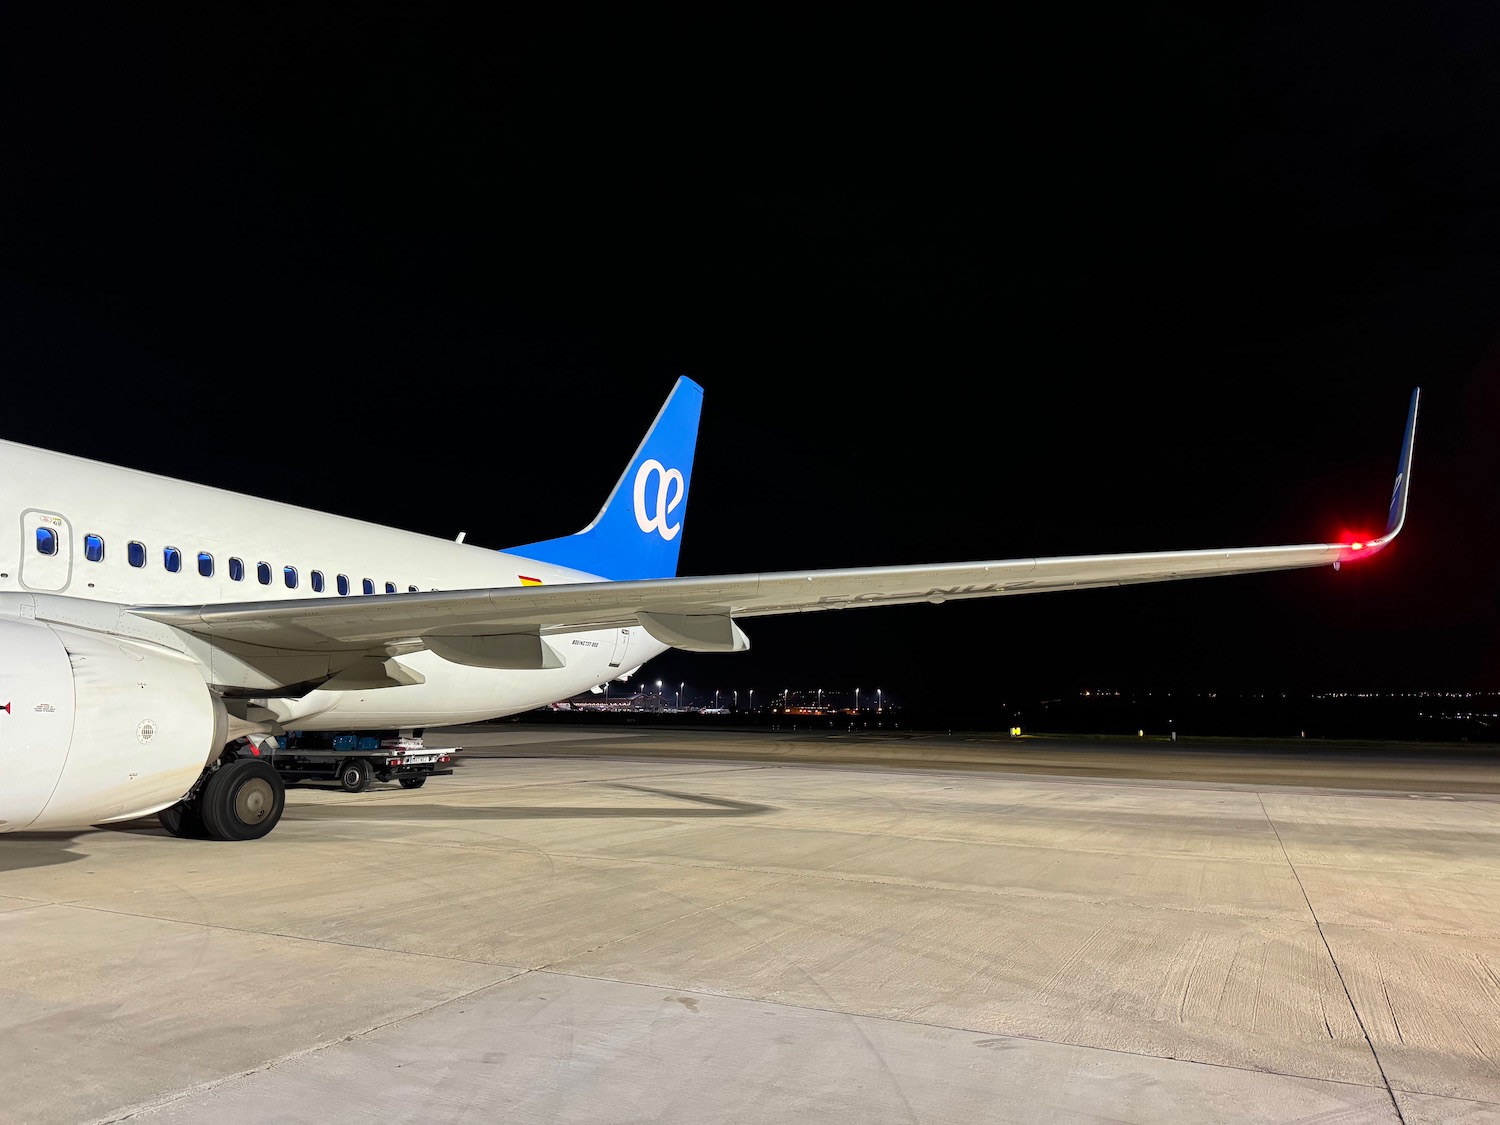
(529, 581)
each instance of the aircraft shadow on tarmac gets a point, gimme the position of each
(698, 806)
(46, 849)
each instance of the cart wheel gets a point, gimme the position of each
(413, 782)
(354, 775)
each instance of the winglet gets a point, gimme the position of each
(1397, 514)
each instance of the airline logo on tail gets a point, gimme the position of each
(667, 498)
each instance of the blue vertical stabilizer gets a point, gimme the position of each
(639, 531)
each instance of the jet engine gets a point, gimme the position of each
(97, 728)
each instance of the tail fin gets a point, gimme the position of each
(637, 533)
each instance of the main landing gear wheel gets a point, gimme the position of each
(242, 800)
(354, 775)
(184, 821)
(413, 782)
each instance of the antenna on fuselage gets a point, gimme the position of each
(460, 538)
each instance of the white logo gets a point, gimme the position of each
(665, 479)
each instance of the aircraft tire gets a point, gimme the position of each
(243, 800)
(413, 782)
(184, 821)
(354, 775)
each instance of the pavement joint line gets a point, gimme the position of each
(941, 839)
(966, 768)
(29, 903)
(1334, 961)
(285, 937)
(991, 1032)
(834, 876)
(709, 765)
(630, 776)
(1447, 1097)
(127, 1112)
(931, 838)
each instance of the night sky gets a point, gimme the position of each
(1155, 277)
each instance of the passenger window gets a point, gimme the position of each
(390, 587)
(369, 586)
(411, 589)
(236, 570)
(263, 573)
(205, 564)
(46, 541)
(289, 576)
(172, 557)
(317, 581)
(93, 548)
(343, 585)
(136, 553)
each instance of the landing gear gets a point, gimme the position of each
(183, 820)
(242, 800)
(354, 775)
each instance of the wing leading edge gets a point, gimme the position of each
(697, 614)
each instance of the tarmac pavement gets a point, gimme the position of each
(622, 926)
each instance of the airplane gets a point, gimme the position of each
(156, 633)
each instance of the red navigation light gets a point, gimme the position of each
(1356, 544)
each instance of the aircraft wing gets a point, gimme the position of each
(404, 620)
(698, 613)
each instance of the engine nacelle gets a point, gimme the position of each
(96, 728)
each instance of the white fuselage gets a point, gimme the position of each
(115, 536)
